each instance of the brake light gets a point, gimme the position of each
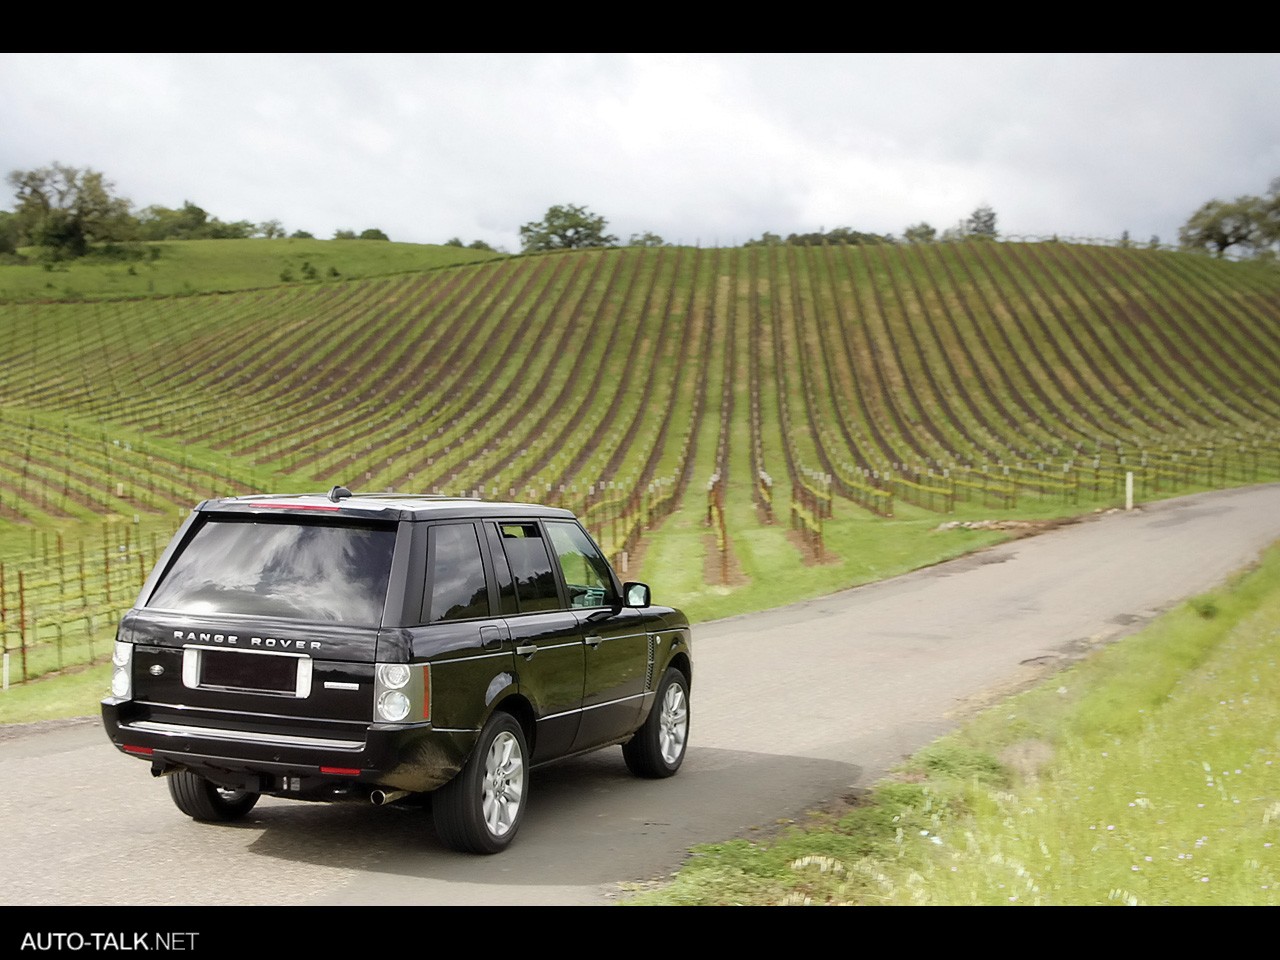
(298, 506)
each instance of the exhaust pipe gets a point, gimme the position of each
(380, 798)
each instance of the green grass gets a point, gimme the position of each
(198, 266)
(771, 567)
(1146, 774)
(75, 693)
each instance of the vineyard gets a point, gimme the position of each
(794, 395)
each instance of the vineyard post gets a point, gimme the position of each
(22, 622)
(1128, 490)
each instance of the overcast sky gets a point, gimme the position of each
(699, 148)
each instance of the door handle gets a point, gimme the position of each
(593, 641)
(527, 650)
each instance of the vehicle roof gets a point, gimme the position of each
(382, 506)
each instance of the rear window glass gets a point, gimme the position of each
(304, 570)
(458, 586)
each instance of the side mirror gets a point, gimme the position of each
(637, 594)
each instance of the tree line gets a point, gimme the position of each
(570, 227)
(64, 211)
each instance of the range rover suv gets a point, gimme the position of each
(385, 646)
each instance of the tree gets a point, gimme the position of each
(302, 235)
(567, 227)
(1269, 228)
(192, 222)
(1219, 225)
(373, 233)
(646, 239)
(344, 234)
(162, 223)
(271, 229)
(479, 245)
(845, 235)
(919, 233)
(67, 208)
(8, 232)
(454, 242)
(981, 224)
(235, 230)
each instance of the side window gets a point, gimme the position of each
(585, 571)
(455, 574)
(530, 567)
(506, 588)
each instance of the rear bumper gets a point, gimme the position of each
(308, 761)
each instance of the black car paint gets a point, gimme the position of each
(577, 678)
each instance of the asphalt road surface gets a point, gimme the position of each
(791, 708)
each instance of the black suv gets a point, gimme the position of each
(379, 647)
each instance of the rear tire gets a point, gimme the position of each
(479, 810)
(204, 800)
(657, 749)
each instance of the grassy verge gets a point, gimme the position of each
(1146, 774)
(771, 567)
(74, 693)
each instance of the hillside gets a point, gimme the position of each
(762, 421)
(184, 267)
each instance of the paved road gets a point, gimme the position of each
(791, 708)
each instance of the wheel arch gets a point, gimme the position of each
(681, 661)
(520, 708)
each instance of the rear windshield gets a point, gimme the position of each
(301, 569)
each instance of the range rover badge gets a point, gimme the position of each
(156, 670)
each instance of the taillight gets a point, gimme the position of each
(122, 670)
(401, 692)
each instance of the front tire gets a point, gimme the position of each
(657, 749)
(201, 799)
(479, 810)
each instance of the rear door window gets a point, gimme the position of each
(531, 568)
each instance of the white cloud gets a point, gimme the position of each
(707, 148)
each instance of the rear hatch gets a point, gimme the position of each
(264, 621)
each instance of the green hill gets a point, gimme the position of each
(183, 267)
(738, 426)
